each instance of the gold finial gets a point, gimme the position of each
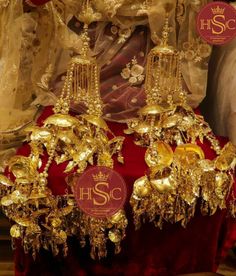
(165, 31)
(85, 42)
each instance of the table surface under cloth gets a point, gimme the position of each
(148, 251)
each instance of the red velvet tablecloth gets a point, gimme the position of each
(148, 251)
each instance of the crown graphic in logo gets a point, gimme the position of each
(100, 177)
(218, 10)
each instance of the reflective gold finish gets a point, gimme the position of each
(153, 109)
(188, 154)
(5, 181)
(97, 121)
(15, 231)
(161, 179)
(43, 220)
(142, 188)
(114, 236)
(179, 174)
(117, 217)
(61, 120)
(159, 154)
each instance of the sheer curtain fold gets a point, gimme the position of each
(36, 46)
(140, 25)
(221, 95)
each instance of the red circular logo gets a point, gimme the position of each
(100, 192)
(216, 23)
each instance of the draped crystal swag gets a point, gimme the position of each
(35, 47)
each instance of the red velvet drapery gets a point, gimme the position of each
(148, 251)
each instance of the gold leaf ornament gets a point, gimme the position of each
(161, 179)
(142, 187)
(159, 153)
(5, 181)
